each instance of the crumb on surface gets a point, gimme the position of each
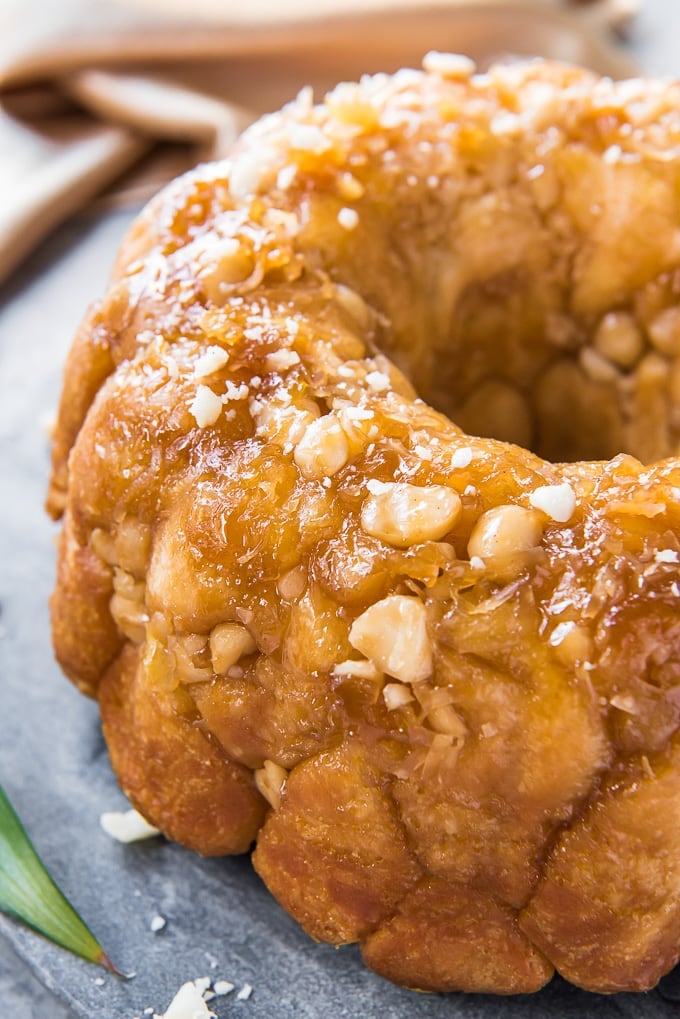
(127, 826)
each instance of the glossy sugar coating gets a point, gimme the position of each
(435, 676)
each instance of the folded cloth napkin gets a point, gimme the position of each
(89, 87)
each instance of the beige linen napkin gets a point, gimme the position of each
(88, 87)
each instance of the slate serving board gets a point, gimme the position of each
(221, 921)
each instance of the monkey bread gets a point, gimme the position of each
(368, 470)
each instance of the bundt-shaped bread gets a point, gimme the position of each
(434, 675)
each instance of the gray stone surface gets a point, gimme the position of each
(221, 922)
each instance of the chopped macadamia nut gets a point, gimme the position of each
(245, 992)
(664, 332)
(188, 1003)
(666, 555)
(349, 187)
(228, 643)
(157, 924)
(454, 66)
(103, 545)
(292, 584)
(308, 138)
(234, 392)
(557, 501)
(323, 449)
(281, 422)
(396, 695)
(572, 643)
(445, 719)
(286, 176)
(222, 987)
(461, 458)
(401, 514)
(127, 826)
(281, 360)
(625, 703)
(128, 606)
(210, 362)
(206, 406)
(187, 651)
(503, 530)
(379, 382)
(596, 367)
(618, 338)
(348, 218)
(393, 634)
(270, 780)
(133, 544)
(252, 170)
(362, 669)
(226, 263)
(355, 306)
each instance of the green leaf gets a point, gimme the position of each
(28, 892)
